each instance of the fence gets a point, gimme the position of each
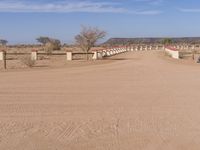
(69, 56)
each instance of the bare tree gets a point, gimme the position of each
(50, 44)
(88, 37)
(43, 40)
(3, 42)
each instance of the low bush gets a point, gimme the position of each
(167, 54)
(28, 61)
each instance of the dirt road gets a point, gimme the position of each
(140, 101)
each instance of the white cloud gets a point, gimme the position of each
(66, 7)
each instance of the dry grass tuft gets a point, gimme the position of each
(167, 54)
(28, 61)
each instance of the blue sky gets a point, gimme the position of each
(22, 21)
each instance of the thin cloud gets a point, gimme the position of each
(67, 7)
(64, 6)
(151, 2)
(189, 10)
(148, 12)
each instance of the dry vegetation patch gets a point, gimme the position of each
(26, 60)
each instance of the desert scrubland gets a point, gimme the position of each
(139, 100)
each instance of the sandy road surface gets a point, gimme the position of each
(142, 101)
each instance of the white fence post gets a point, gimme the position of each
(69, 56)
(3, 58)
(2, 54)
(132, 49)
(100, 55)
(34, 55)
(95, 55)
(104, 53)
(108, 53)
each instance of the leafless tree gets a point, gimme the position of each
(88, 37)
(50, 44)
(3, 42)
